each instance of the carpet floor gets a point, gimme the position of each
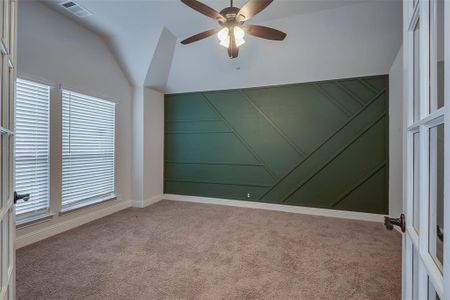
(176, 250)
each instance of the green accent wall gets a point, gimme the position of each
(321, 144)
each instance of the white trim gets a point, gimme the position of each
(87, 92)
(3, 49)
(6, 131)
(38, 235)
(72, 207)
(446, 280)
(33, 219)
(280, 207)
(146, 202)
(398, 229)
(46, 232)
(37, 79)
(433, 119)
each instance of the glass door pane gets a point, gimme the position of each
(432, 295)
(437, 30)
(416, 72)
(415, 169)
(415, 274)
(436, 194)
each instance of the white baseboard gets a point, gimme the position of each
(280, 207)
(146, 202)
(46, 232)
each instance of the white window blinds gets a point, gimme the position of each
(88, 149)
(32, 146)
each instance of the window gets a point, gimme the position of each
(32, 147)
(87, 150)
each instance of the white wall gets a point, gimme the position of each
(148, 145)
(353, 40)
(396, 136)
(159, 69)
(137, 172)
(153, 143)
(54, 49)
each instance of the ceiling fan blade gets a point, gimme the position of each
(204, 9)
(265, 32)
(251, 8)
(200, 36)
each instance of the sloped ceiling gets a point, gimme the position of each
(134, 28)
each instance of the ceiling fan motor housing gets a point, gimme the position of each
(229, 13)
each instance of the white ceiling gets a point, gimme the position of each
(133, 28)
(120, 18)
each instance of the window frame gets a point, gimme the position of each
(32, 216)
(67, 208)
(55, 208)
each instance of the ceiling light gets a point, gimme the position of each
(238, 33)
(225, 42)
(239, 36)
(240, 43)
(224, 36)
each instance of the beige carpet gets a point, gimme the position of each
(175, 250)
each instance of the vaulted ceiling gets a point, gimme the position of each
(144, 35)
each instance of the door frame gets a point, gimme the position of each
(416, 240)
(8, 19)
(447, 147)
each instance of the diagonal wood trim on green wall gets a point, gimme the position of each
(321, 144)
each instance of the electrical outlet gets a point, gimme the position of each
(248, 195)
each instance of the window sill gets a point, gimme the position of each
(33, 219)
(84, 204)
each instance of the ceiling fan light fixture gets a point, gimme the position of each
(223, 34)
(239, 33)
(225, 42)
(240, 42)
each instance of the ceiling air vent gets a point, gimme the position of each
(76, 9)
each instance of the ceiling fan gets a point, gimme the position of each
(231, 19)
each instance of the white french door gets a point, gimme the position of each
(7, 86)
(426, 246)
